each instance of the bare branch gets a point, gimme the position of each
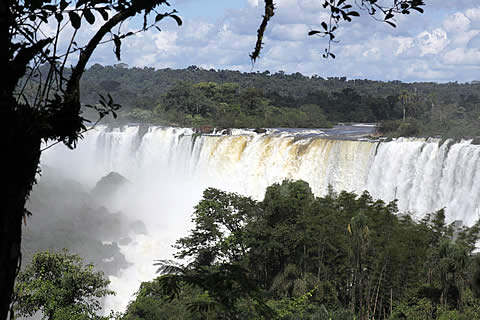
(269, 12)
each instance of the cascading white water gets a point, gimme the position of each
(170, 167)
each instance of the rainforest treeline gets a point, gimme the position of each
(297, 256)
(225, 99)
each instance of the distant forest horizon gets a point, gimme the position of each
(268, 72)
(225, 99)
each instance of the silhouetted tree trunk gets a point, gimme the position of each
(19, 161)
(14, 194)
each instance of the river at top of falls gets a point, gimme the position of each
(170, 167)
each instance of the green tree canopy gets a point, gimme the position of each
(297, 256)
(60, 286)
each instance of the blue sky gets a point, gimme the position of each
(207, 9)
(443, 44)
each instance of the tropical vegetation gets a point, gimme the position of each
(60, 286)
(226, 99)
(297, 256)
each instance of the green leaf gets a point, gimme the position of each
(418, 9)
(159, 17)
(177, 19)
(103, 12)
(74, 19)
(89, 16)
(311, 33)
(353, 13)
(80, 3)
(324, 25)
(59, 17)
(49, 7)
(391, 23)
(43, 16)
(63, 5)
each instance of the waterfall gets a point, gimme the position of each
(170, 167)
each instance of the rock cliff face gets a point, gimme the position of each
(108, 186)
(67, 215)
(206, 129)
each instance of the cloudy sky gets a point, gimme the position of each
(443, 44)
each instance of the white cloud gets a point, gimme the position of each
(373, 53)
(463, 39)
(287, 51)
(423, 70)
(457, 23)
(197, 32)
(432, 42)
(403, 45)
(473, 14)
(441, 45)
(462, 56)
(289, 31)
(165, 42)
